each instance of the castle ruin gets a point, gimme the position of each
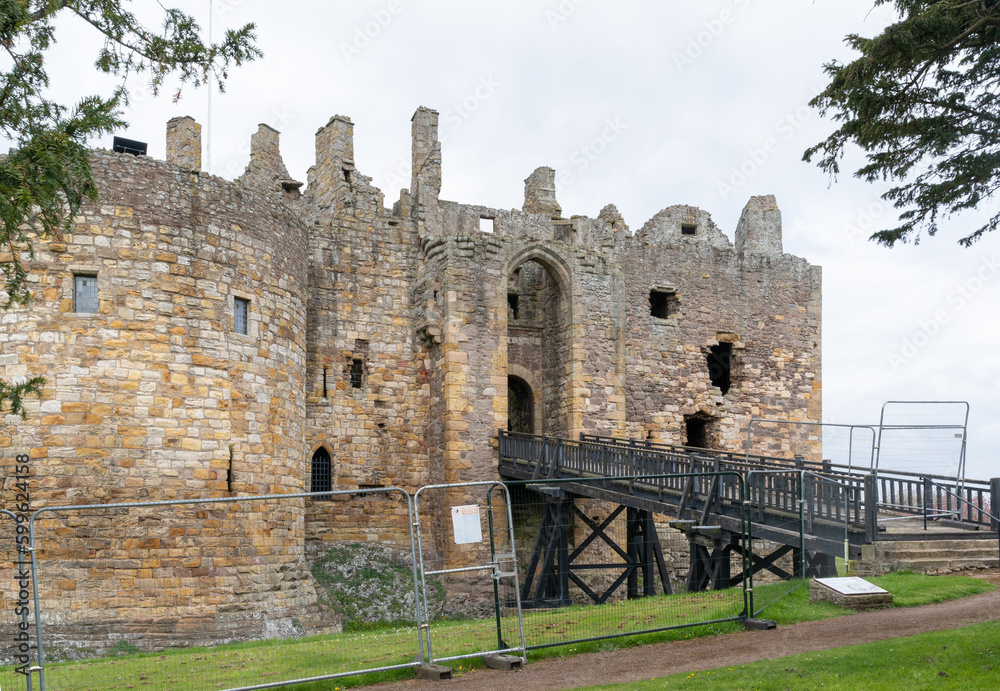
(208, 338)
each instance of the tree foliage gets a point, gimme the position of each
(923, 102)
(46, 176)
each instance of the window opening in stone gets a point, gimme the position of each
(663, 304)
(347, 174)
(520, 406)
(324, 383)
(85, 294)
(512, 311)
(486, 224)
(320, 472)
(688, 230)
(229, 472)
(357, 373)
(241, 312)
(696, 433)
(719, 365)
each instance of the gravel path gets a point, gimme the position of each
(647, 662)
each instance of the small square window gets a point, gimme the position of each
(689, 230)
(85, 294)
(486, 224)
(241, 313)
(663, 304)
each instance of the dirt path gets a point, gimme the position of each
(647, 662)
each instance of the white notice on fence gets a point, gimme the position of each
(465, 520)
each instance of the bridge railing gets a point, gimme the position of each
(866, 493)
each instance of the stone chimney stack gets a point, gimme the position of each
(540, 193)
(334, 159)
(184, 143)
(425, 164)
(759, 229)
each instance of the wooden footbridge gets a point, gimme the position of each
(815, 511)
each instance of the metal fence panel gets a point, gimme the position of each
(469, 577)
(596, 569)
(123, 585)
(17, 633)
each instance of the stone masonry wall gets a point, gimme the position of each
(155, 396)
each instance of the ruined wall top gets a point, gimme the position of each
(759, 228)
(540, 193)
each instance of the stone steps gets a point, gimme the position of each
(930, 556)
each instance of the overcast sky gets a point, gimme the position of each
(644, 105)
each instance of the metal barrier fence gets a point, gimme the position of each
(16, 627)
(402, 580)
(465, 541)
(119, 585)
(594, 569)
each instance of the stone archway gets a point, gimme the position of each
(539, 339)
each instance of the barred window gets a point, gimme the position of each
(357, 373)
(241, 310)
(85, 294)
(320, 472)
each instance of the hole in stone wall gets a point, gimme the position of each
(486, 224)
(696, 433)
(324, 383)
(663, 303)
(357, 373)
(347, 174)
(689, 230)
(720, 359)
(512, 311)
(229, 472)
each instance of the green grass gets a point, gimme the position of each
(966, 658)
(383, 645)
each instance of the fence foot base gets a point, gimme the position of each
(433, 672)
(505, 663)
(759, 624)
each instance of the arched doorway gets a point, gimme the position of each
(520, 406)
(538, 325)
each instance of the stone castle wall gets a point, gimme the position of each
(155, 397)
(387, 337)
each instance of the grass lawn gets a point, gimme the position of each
(246, 664)
(967, 658)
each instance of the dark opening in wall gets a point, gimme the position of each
(320, 472)
(720, 360)
(695, 432)
(512, 311)
(520, 406)
(663, 303)
(357, 373)
(229, 472)
(324, 383)
(689, 230)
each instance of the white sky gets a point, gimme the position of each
(696, 88)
